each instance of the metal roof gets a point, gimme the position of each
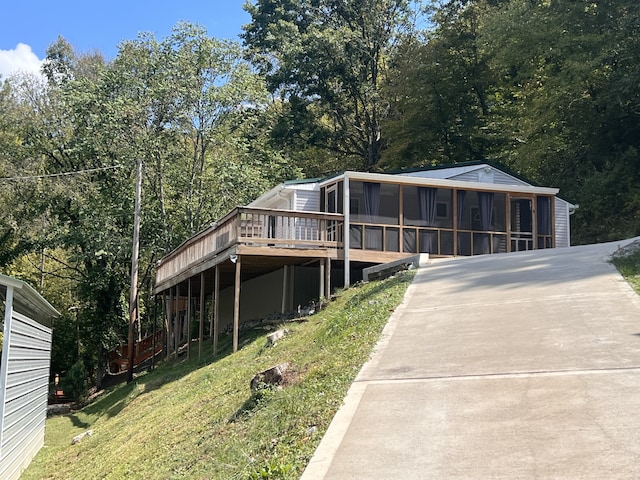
(27, 301)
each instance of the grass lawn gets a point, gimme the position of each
(628, 264)
(198, 419)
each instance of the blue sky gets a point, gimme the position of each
(27, 28)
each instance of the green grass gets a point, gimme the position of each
(197, 419)
(628, 264)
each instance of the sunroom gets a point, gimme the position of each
(390, 216)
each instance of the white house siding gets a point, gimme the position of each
(25, 371)
(563, 232)
(307, 201)
(492, 176)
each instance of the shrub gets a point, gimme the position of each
(74, 383)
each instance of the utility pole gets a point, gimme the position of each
(133, 297)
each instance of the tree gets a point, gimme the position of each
(191, 109)
(570, 73)
(328, 61)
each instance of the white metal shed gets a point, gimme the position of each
(24, 374)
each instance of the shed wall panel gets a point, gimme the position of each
(25, 394)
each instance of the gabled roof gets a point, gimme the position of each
(450, 183)
(457, 168)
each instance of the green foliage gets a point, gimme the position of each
(189, 106)
(272, 470)
(627, 262)
(565, 72)
(45, 272)
(74, 382)
(443, 92)
(329, 61)
(547, 88)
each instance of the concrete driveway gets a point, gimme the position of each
(516, 366)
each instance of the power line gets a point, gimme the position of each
(62, 174)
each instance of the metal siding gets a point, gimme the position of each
(502, 178)
(466, 177)
(20, 452)
(25, 395)
(563, 237)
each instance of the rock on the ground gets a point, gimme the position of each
(272, 338)
(271, 376)
(78, 438)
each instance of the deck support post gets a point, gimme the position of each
(171, 329)
(177, 333)
(236, 306)
(189, 315)
(327, 281)
(166, 319)
(175, 326)
(201, 317)
(322, 279)
(213, 292)
(216, 310)
(285, 288)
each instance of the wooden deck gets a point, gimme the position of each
(256, 232)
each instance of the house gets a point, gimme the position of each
(24, 374)
(301, 238)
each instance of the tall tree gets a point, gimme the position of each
(328, 60)
(569, 73)
(443, 94)
(189, 107)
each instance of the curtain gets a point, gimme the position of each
(371, 201)
(544, 216)
(373, 236)
(427, 205)
(427, 208)
(461, 195)
(485, 199)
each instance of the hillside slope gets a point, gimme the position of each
(198, 419)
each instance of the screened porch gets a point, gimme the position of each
(440, 220)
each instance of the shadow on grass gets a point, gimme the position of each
(403, 276)
(76, 422)
(257, 400)
(118, 397)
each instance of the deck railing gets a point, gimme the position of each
(256, 226)
(414, 239)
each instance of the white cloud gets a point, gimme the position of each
(20, 59)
